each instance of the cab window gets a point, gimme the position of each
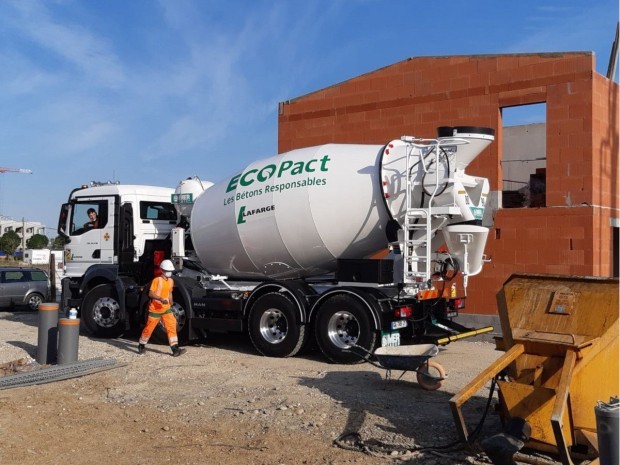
(87, 216)
(157, 211)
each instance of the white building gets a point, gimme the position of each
(24, 229)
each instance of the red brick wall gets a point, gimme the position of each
(573, 234)
(605, 143)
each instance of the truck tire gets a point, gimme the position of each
(101, 312)
(273, 327)
(341, 323)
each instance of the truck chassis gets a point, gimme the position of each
(280, 317)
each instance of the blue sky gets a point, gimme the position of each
(151, 92)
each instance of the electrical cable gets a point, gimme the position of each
(447, 163)
(445, 265)
(353, 440)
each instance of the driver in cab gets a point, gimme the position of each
(94, 220)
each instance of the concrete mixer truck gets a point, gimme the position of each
(340, 244)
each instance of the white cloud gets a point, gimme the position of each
(89, 137)
(73, 44)
(565, 28)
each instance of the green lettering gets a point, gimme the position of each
(271, 169)
(284, 166)
(245, 182)
(232, 185)
(308, 166)
(240, 217)
(299, 168)
(324, 161)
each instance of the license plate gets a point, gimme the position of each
(399, 324)
(390, 339)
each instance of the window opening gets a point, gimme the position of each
(524, 156)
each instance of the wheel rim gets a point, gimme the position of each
(106, 312)
(34, 302)
(273, 326)
(343, 330)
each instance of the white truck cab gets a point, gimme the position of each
(126, 218)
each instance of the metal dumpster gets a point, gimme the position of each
(560, 337)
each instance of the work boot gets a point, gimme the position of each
(141, 349)
(176, 350)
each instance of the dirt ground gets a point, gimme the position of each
(222, 403)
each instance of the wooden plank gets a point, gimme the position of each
(476, 384)
(559, 408)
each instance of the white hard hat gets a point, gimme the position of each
(167, 265)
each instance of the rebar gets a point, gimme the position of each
(58, 372)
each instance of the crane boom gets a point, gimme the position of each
(15, 170)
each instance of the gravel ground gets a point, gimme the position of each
(222, 403)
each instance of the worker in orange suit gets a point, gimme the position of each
(160, 308)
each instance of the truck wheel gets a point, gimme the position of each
(101, 312)
(273, 327)
(343, 322)
(160, 336)
(427, 375)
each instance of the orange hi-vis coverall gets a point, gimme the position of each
(162, 288)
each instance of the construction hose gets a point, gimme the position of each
(353, 440)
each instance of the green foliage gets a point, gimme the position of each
(9, 242)
(37, 241)
(59, 243)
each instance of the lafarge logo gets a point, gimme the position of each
(243, 213)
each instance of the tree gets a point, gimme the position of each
(59, 243)
(9, 242)
(37, 241)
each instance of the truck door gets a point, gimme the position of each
(91, 234)
(126, 249)
(155, 223)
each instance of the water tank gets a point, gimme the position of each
(186, 193)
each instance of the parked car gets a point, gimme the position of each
(23, 287)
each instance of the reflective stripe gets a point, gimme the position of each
(159, 314)
(428, 294)
(170, 323)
